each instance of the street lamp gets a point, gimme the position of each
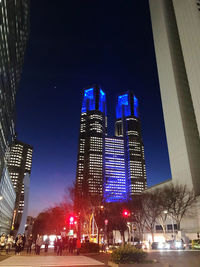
(1, 198)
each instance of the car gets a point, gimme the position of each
(196, 244)
(176, 244)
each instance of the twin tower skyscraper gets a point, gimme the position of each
(111, 168)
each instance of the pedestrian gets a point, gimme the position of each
(24, 241)
(55, 245)
(78, 246)
(70, 245)
(2, 241)
(38, 244)
(74, 244)
(47, 241)
(9, 242)
(60, 246)
(29, 243)
(18, 245)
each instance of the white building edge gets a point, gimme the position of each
(176, 34)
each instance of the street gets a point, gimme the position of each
(179, 258)
(167, 258)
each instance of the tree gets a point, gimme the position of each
(138, 217)
(152, 209)
(116, 221)
(176, 201)
(52, 220)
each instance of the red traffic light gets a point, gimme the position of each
(106, 222)
(71, 220)
(126, 213)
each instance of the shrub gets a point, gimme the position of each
(89, 247)
(128, 254)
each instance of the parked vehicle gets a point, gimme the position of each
(196, 244)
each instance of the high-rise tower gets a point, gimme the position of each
(128, 126)
(110, 168)
(14, 30)
(90, 164)
(19, 163)
(176, 25)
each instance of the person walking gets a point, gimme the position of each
(29, 243)
(9, 242)
(2, 241)
(55, 245)
(70, 245)
(78, 246)
(18, 245)
(60, 247)
(38, 244)
(24, 241)
(47, 241)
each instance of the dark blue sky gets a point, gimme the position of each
(73, 44)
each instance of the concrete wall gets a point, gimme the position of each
(180, 121)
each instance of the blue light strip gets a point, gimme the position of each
(115, 184)
(135, 107)
(123, 102)
(102, 101)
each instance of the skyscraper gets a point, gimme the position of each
(128, 126)
(110, 168)
(19, 163)
(14, 29)
(176, 25)
(90, 164)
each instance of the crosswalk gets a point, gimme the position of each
(49, 261)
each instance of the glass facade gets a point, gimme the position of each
(115, 187)
(7, 203)
(19, 163)
(110, 167)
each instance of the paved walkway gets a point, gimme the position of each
(49, 261)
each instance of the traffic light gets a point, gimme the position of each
(71, 220)
(126, 213)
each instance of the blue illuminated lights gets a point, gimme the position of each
(135, 107)
(123, 103)
(102, 101)
(115, 189)
(88, 100)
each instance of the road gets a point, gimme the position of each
(177, 258)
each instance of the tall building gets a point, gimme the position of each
(19, 164)
(90, 164)
(176, 25)
(110, 168)
(14, 28)
(127, 125)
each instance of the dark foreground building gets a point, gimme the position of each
(14, 30)
(110, 168)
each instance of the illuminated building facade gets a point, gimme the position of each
(115, 188)
(112, 168)
(19, 164)
(14, 30)
(90, 165)
(128, 126)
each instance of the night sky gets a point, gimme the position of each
(73, 44)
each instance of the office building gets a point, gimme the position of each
(128, 126)
(110, 168)
(19, 164)
(14, 28)
(90, 164)
(115, 187)
(176, 25)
